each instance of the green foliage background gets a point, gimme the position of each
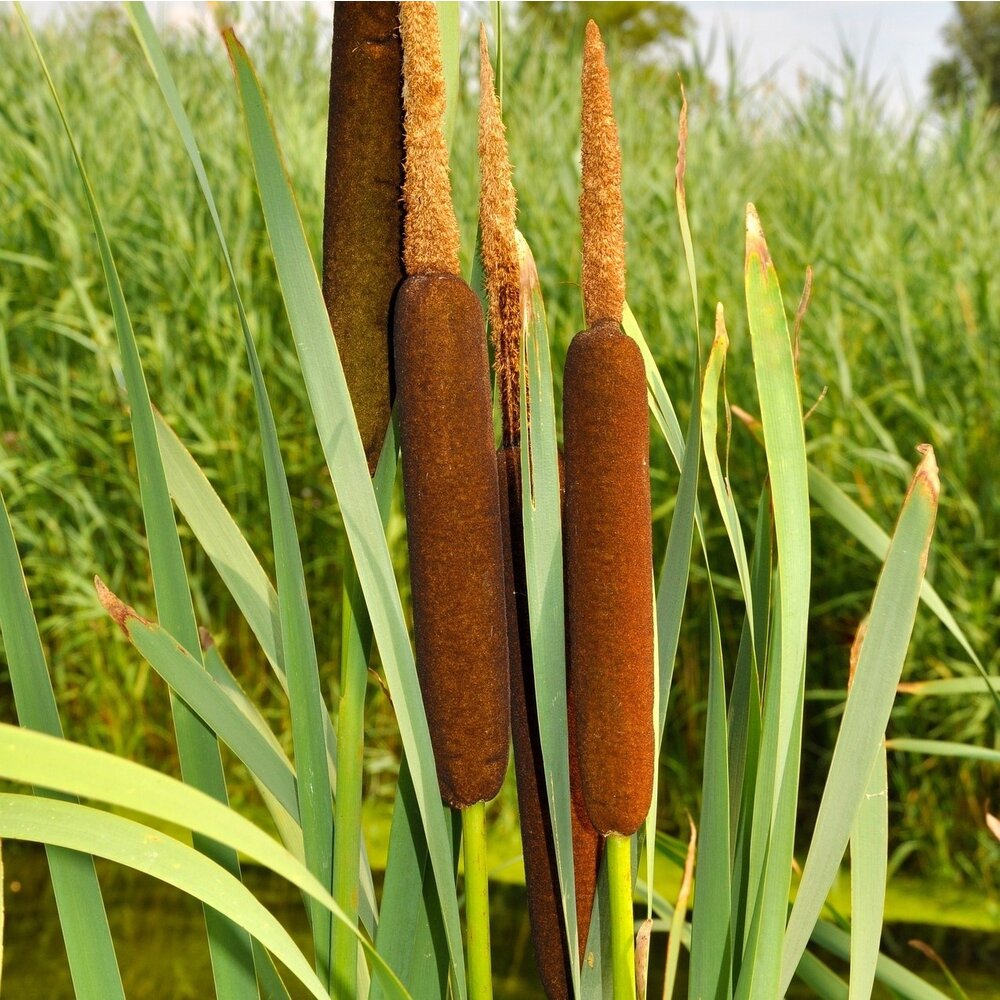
(898, 220)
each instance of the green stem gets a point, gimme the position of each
(350, 754)
(622, 939)
(477, 902)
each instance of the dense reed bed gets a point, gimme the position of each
(895, 219)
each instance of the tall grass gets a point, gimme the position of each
(897, 221)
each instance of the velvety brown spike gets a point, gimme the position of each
(363, 219)
(453, 521)
(602, 213)
(501, 266)
(548, 928)
(430, 231)
(609, 574)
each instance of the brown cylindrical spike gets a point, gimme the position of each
(609, 574)
(363, 218)
(449, 465)
(609, 551)
(453, 521)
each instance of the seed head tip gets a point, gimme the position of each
(430, 230)
(602, 213)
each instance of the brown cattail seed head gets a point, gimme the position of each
(453, 522)
(609, 564)
(497, 222)
(548, 927)
(602, 213)
(363, 219)
(430, 231)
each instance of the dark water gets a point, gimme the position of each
(161, 946)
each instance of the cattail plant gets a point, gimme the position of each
(362, 268)
(450, 482)
(502, 271)
(608, 537)
(363, 216)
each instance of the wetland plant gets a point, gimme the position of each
(497, 616)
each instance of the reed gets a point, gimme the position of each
(608, 539)
(363, 220)
(450, 482)
(504, 283)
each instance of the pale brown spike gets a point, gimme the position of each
(497, 221)
(430, 230)
(602, 212)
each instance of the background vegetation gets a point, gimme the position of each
(898, 220)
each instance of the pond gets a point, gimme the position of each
(162, 951)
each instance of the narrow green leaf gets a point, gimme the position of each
(849, 515)
(888, 972)
(711, 928)
(287, 826)
(224, 544)
(869, 703)
(745, 704)
(342, 448)
(672, 583)
(410, 934)
(126, 842)
(942, 748)
(201, 764)
(355, 651)
(37, 759)
(208, 700)
(305, 696)
(950, 687)
(714, 376)
(84, 922)
(784, 444)
(821, 979)
(869, 857)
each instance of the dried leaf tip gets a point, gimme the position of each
(756, 244)
(682, 138)
(430, 230)
(927, 471)
(602, 213)
(114, 605)
(497, 221)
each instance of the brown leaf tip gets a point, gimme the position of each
(115, 606)
(602, 212)
(682, 139)
(928, 472)
(756, 244)
(205, 639)
(430, 230)
(498, 221)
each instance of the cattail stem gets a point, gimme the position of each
(619, 854)
(477, 902)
